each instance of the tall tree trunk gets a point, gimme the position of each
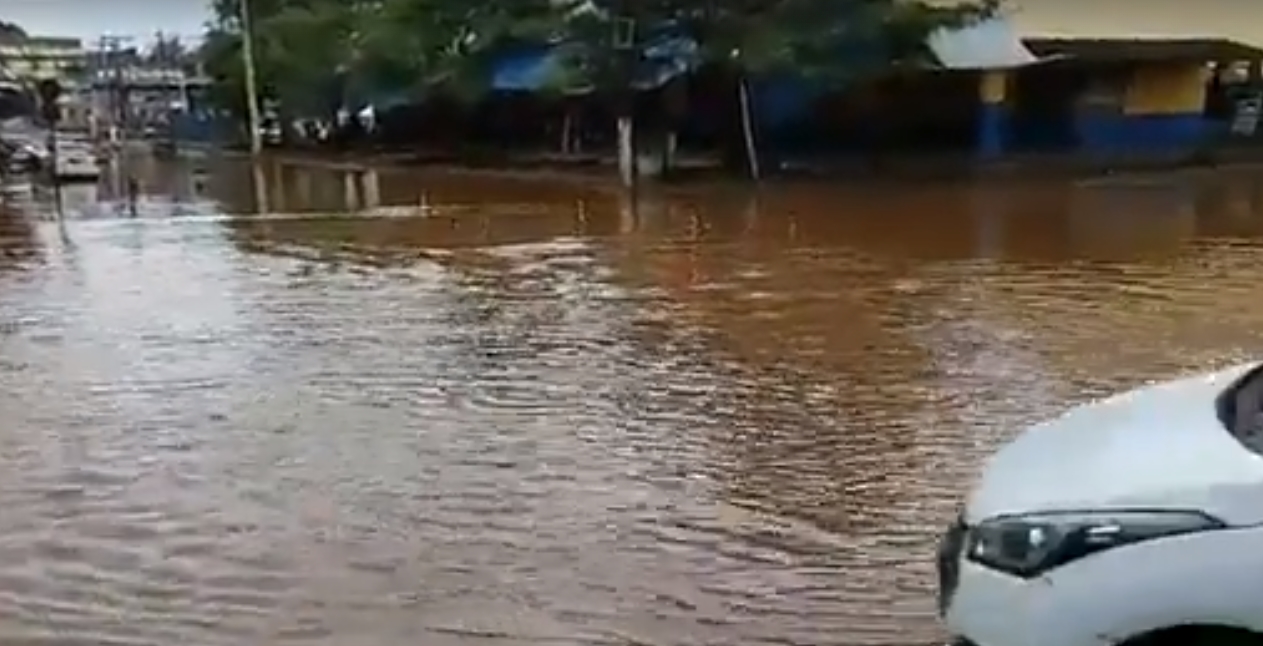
(567, 127)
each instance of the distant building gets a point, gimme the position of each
(1121, 80)
(35, 58)
(133, 92)
(25, 60)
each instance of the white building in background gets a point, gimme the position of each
(36, 58)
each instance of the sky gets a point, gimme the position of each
(89, 19)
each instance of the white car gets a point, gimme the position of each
(77, 163)
(1136, 520)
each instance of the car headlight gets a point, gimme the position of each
(1031, 544)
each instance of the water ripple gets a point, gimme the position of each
(220, 434)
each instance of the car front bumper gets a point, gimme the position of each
(984, 607)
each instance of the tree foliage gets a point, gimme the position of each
(309, 51)
(11, 32)
(166, 50)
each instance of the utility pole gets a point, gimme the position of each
(110, 71)
(170, 71)
(252, 90)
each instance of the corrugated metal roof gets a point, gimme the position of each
(1142, 49)
(987, 44)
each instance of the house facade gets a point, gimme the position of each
(1105, 78)
(1112, 78)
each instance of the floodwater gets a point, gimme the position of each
(521, 412)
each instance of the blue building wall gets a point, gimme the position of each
(1161, 110)
(200, 127)
(1117, 132)
(994, 127)
(780, 101)
(1153, 109)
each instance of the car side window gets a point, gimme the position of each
(1247, 422)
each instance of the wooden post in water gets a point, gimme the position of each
(54, 175)
(370, 184)
(627, 151)
(747, 128)
(302, 187)
(628, 209)
(567, 125)
(261, 205)
(350, 189)
(133, 195)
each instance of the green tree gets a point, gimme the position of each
(307, 51)
(407, 44)
(11, 32)
(832, 41)
(304, 49)
(417, 44)
(299, 46)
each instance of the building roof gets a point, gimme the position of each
(56, 42)
(1144, 49)
(986, 44)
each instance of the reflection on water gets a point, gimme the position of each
(483, 411)
(17, 242)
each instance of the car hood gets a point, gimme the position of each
(1160, 446)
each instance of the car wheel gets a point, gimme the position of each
(1198, 636)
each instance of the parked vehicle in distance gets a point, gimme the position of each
(1136, 520)
(77, 162)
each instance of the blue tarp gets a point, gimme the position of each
(782, 100)
(777, 101)
(199, 127)
(524, 69)
(529, 69)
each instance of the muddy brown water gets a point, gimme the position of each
(537, 415)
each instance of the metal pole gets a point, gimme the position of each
(112, 63)
(252, 90)
(55, 175)
(121, 96)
